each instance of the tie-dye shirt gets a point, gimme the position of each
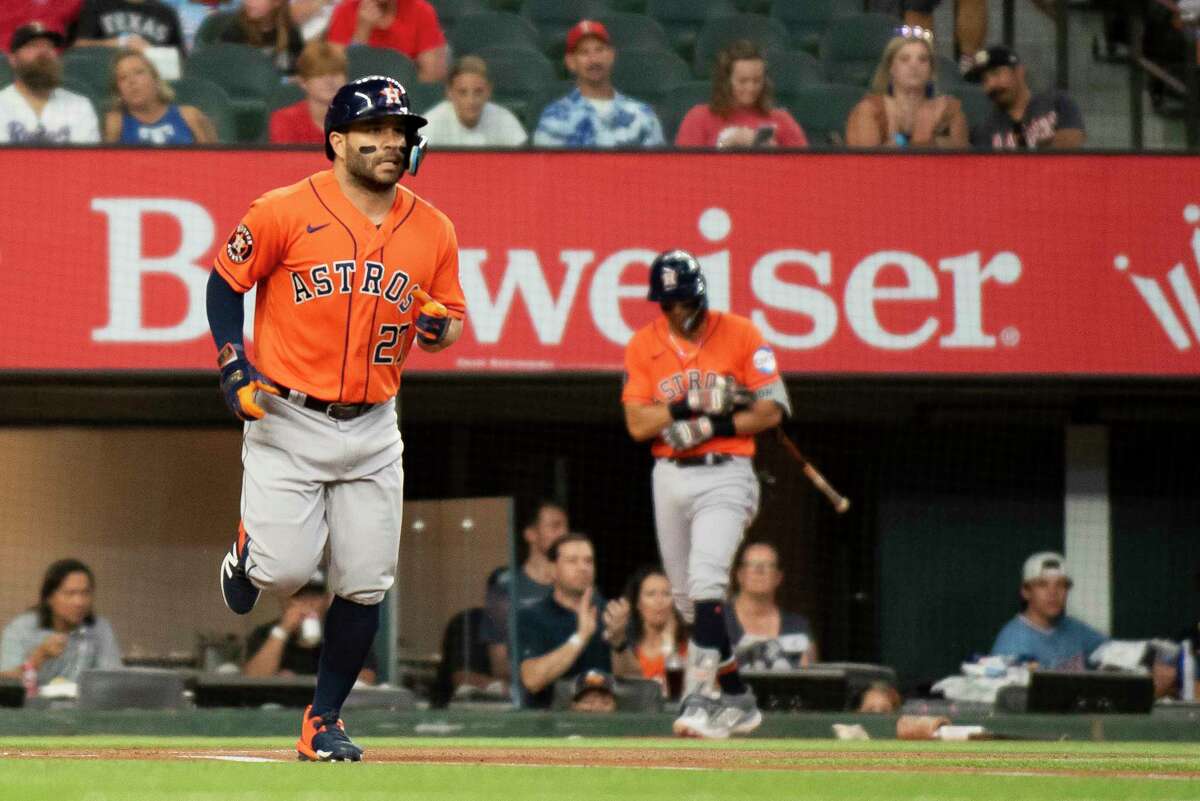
(573, 121)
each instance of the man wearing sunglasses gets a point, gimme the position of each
(701, 383)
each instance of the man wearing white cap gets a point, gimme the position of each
(1042, 633)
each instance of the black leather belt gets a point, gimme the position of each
(331, 409)
(705, 459)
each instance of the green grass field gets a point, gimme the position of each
(191, 769)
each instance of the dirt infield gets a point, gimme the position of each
(932, 761)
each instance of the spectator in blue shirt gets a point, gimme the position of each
(1042, 633)
(565, 634)
(594, 114)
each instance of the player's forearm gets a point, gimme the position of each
(540, 672)
(762, 415)
(646, 421)
(226, 311)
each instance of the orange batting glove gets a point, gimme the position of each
(433, 322)
(239, 382)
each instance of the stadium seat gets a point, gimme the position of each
(977, 106)
(6, 76)
(213, 26)
(672, 108)
(366, 60)
(853, 46)
(767, 33)
(755, 6)
(683, 19)
(284, 95)
(649, 75)
(89, 66)
(424, 96)
(790, 69)
(629, 6)
(520, 81)
(212, 100)
(246, 75)
(474, 32)
(822, 111)
(947, 74)
(806, 21)
(553, 18)
(532, 107)
(449, 12)
(634, 32)
(101, 100)
(504, 5)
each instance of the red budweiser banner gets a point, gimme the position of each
(848, 264)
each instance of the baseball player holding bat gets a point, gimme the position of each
(350, 267)
(701, 384)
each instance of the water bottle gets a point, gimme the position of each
(29, 678)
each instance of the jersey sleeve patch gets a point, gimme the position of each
(764, 360)
(240, 246)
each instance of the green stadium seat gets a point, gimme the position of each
(6, 76)
(424, 96)
(806, 21)
(853, 46)
(629, 6)
(474, 32)
(450, 11)
(672, 108)
(553, 18)
(246, 75)
(366, 60)
(769, 34)
(635, 32)
(530, 111)
(946, 73)
(822, 111)
(520, 80)
(101, 100)
(212, 100)
(683, 19)
(790, 69)
(213, 26)
(756, 6)
(90, 66)
(503, 5)
(649, 75)
(285, 94)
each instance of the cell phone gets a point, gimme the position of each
(763, 134)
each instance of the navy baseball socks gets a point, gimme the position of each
(717, 702)
(709, 632)
(349, 631)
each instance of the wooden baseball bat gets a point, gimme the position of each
(840, 502)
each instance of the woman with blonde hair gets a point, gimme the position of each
(144, 110)
(903, 108)
(267, 26)
(741, 112)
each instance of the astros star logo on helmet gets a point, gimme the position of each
(391, 95)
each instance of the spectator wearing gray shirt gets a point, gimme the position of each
(1022, 119)
(61, 636)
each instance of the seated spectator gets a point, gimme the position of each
(320, 71)
(655, 628)
(135, 24)
(467, 117)
(903, 108)
(740, 113)
(312, 17)
(57, 15)
(1042, 634)
(62, 636)
(880, 698)
(1022, 119)
(35, 108)
(594, 114)
(290, 645)
(146, 113)
(410, 26)
(764, 637)
(594, 691)
(192, 14)
(534, 582)
(266, 26)
(560, 636)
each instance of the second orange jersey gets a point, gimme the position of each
(660, 367)
(334, 312)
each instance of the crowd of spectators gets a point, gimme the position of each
(911, 101)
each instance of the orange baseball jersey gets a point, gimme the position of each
(334, 314)
(661, 367)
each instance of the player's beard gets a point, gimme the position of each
(41, 74)
(359, 168)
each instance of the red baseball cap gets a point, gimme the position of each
(587, 27)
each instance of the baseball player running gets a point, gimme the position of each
(702, 383)
(342, 261)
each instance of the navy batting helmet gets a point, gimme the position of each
(372, 98)
(675, 276)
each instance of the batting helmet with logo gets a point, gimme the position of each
(675, 276)
(372, 98)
